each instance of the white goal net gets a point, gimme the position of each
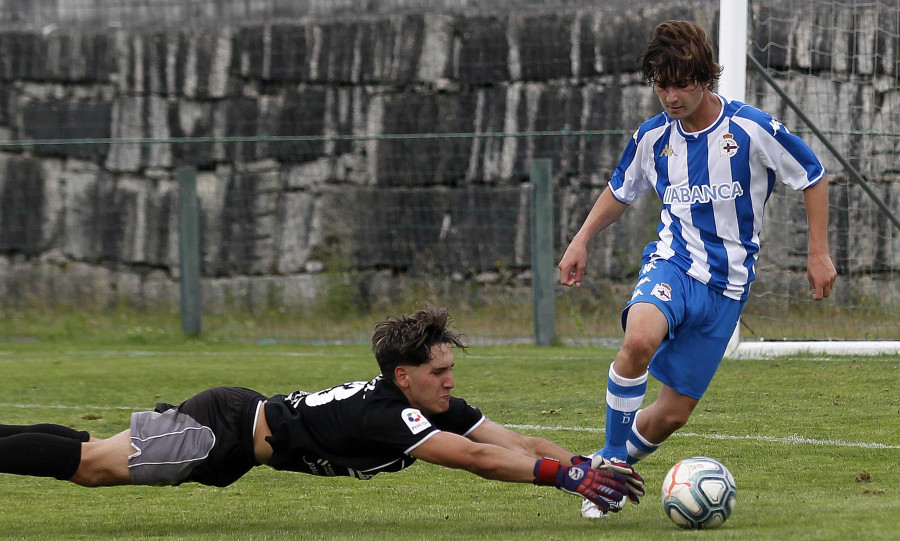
(839, 63)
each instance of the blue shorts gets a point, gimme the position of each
(701, 322)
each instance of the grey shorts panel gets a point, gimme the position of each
(167, 446)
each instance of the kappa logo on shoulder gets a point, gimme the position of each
(415, 420)
(776, 125)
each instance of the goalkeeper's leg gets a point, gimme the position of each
(44, 450)
(42, 455)
(45, 428)
(93, 463)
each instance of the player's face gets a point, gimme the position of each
(685, 102)
(428, 385)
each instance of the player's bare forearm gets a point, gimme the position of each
(606, 210)
(540, 448)
(820, 268)
(816, 201)
(482, 459)
(492, 451)
(499, 464)
(530, 446)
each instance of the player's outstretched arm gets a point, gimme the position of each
(495, 462)
(535, 447)
(482, 459)
(531, 446)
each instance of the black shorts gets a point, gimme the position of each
(230, 413)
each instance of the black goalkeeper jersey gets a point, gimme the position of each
(357, 429)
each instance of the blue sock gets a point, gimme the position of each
(638, 447)
(623, 399)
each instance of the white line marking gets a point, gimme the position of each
(134, 354)
(872, 353)
(766, 350)
(138, 353)
(65, 407)
(791, 440)
(795, 439)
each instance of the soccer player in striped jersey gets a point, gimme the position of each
(713, 163)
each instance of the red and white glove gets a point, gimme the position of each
(598, 486)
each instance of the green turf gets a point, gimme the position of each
(796, 433)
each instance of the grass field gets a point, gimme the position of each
(796, 433)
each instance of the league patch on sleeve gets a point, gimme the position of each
(415, 420)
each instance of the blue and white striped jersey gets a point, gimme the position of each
(714, 185)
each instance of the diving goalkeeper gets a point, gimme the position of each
(357, 429)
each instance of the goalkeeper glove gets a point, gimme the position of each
(633, 482)
(598, 486)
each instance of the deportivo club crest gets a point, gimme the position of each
(662, 292)
(727, 146)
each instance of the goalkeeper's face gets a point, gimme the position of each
(427, 386)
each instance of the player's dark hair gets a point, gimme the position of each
(679, 53)
(407, 340)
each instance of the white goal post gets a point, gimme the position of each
(733, 82)
(733, 22)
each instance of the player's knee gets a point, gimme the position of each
(636, 352)
(88, 477)
(674, 420)
(98, 476)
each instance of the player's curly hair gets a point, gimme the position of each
(679, 53)
(407, 340)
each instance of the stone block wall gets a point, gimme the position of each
(331, 141)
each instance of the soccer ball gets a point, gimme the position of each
(699, 493)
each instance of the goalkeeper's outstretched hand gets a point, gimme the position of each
(598, 486)
(633, 481)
